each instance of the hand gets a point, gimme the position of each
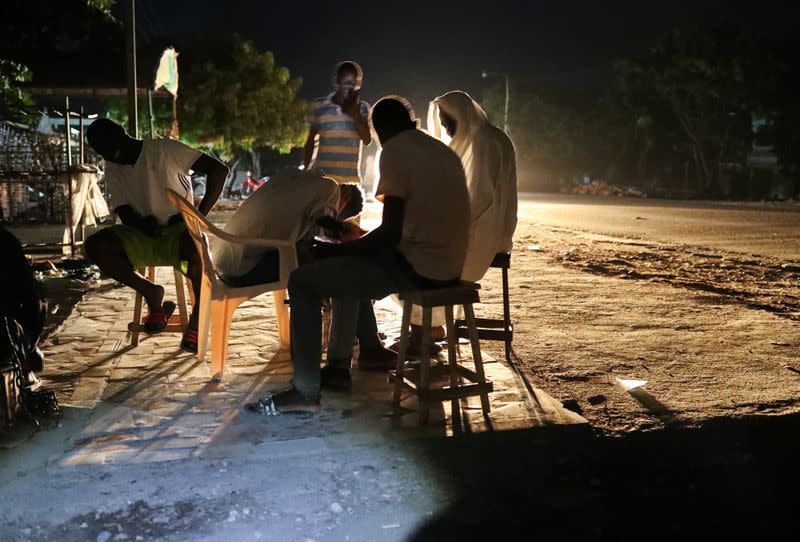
(324, 250)
(150, 226)
(351, 231)
(352, 104)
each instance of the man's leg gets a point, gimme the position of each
(345, 313)
(105, 250)
(372, 354)
(194, 271)
(308, 285)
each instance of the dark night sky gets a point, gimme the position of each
(421, 49)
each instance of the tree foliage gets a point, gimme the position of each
(13, 105)
(707, 84)
(249, 102)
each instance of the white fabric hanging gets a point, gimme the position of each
(87, 205)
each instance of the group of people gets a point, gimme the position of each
(449, 200)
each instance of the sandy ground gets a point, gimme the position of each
(701, 301)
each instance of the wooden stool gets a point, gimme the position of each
(494, 329)
(177, 322)
(418, 381)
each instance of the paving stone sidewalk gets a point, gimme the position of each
(154, 402)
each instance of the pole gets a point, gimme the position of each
(80, 143)
(505, 115)
(150, 108)
(68, 131)
(130, 43)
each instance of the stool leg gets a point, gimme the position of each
(137, 316)
(476, 353)
(424, 384)
(401, 353)
(506, 315)
(451, 358)
(180, 294)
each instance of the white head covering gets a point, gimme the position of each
(469, 115)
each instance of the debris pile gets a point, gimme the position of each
(603, 188)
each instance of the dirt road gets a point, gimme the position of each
(700, 300)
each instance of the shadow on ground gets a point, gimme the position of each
(729, 477)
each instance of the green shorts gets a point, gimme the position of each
(143, 250)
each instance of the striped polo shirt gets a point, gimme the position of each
(339, 147)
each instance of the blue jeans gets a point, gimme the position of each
(352, 282)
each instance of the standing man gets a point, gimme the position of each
(138, 173)
(339, 127)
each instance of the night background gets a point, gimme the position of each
(650, 386)
(578, 107)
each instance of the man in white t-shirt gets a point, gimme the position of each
(138, 173)
(421, 242)
(285, 207)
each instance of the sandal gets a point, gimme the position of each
(189, 341)
(156, 322)
(287, 401)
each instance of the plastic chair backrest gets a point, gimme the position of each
(199, 227)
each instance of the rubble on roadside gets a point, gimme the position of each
(605, 189)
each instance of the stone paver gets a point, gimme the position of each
(157, 403)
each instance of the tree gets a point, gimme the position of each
(13, 105)
(117, 109)
(249, 103)
(709, 84)
(560, 138)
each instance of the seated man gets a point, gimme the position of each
(285, 207)
(152, 232)
(421, 242)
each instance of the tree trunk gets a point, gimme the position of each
(255, 158)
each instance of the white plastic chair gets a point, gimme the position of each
(219, 300)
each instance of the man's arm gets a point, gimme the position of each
(385, 236)
(352, 107)
(216, 172)
(309, 147)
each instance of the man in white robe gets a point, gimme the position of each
(489, 161)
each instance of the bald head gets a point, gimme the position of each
(110, 140)
(392, 115)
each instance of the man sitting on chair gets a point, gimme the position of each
(137, 173)
(286, 207)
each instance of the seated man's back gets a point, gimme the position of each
(430, 178)
(284, 207)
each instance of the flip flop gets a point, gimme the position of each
(156, 322)
(189, 341)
